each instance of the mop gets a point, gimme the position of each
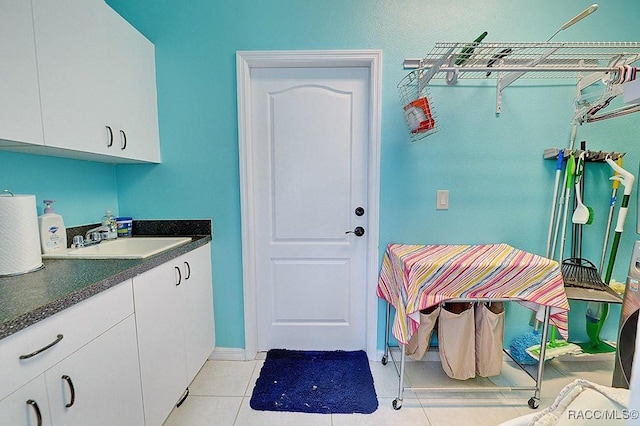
(554, 348)
(597, 311)
(526, 348)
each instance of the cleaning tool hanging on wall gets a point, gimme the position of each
(571, 167)
(627, 180)
(554, 201)
(569, 170)
(597, 312)
(612, 205)
(582, 215)
(576, 271)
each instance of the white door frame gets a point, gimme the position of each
(245, 61)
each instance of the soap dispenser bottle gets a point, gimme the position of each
(110, 220)
(53, 234)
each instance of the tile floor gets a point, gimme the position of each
(220, 394)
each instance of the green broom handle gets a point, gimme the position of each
(627, 180)
(622, 214)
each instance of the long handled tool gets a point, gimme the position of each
(612, 205)
(597, 312)
(576, 271)
(570, 170)
(627, 180)
(580, 16)
(554, 202)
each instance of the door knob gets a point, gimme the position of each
(359, 231)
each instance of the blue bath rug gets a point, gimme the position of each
(315, 382)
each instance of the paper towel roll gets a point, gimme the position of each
(19, 236)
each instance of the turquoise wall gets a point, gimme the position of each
(500, 187)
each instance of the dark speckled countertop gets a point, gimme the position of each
(29, 298)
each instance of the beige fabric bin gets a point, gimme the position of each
(421, 339)
(489, 337)
(456, 339)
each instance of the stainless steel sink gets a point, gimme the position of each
(122, 248)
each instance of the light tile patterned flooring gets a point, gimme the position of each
(220, 394)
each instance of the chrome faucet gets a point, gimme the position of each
(93, 236)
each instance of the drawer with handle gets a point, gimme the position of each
(29, 352)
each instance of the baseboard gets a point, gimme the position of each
(228, 354)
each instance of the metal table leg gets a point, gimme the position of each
(534, 401)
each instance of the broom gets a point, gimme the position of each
(576, 271)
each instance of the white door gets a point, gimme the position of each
(309, 130)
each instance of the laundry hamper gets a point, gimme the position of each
(456, 340)
(489, 338)
(420, 341)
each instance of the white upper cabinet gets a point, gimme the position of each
(132, 103)
(20, 107)
(96, 81)
(73, 62)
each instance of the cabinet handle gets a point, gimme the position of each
(187, 274)
(34, 404)
(183, 397)
(178, 276)
(71, 389)
(110, 140)
(32, 354)
(123, 140)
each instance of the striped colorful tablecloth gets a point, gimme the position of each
(414, 277)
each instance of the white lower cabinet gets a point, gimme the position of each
(90, 375)
(199, 329)
(174, 319)
(122, 357)
(100, 383)
(27, 406)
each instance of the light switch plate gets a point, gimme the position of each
(442, 199)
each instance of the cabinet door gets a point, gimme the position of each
(28, 406)
(100, 383)
(161, 341)
(73, 66)
(133, 102)
(198, 296)
(30, 352)
(20, 107)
